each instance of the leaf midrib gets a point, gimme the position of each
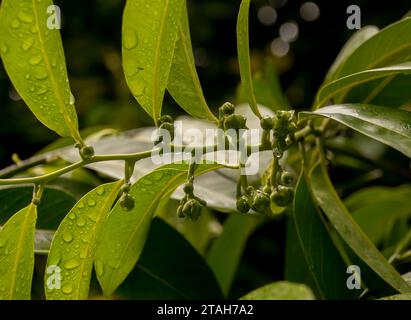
(55, 87)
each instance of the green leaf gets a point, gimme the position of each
(224, 257)
(183, 82)
(33, 57)
(125, 233)
(377, 209)
(389, 126)
(325, 264)
(392, 45)
(17, 255)
(53, 207)
(75, 242)
(243, 50)
(346, 83)
(356, 40)
(349, 230)
(149, 37)
(281, 290)
(169, 268)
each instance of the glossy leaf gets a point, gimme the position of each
(346, 83)
(405, 296)
(169, 268)
(17, 255)
(183, 82)
(349, 230)
(325, 264)
(75, 242)
(150, 30)
(389, 126)
(356, 40)
(243, 51)
(392, 45)
(224, 257)
(281, 290)
(34, 60)
(125, 233)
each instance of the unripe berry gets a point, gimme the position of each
(287, 178)
(242, 204)
(87, 152)
(235, 121)
(188, 188)
(266, 123)
(127, 202)
(227, 108)
(261, 202)
(283, 196)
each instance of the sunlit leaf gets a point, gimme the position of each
(387, 125)
(183, 82)
(34, 60)
(243, 51)
(150, 30)
(346, 83)
(75, 242)
(17, 255)
(125, 233)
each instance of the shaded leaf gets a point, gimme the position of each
(281, 290)
(324, 262)
(169, 268)
(34, 60)
(224, 257)
(349, 230)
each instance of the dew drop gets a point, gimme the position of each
(42, 91)
(26, 45)
(147, 182)
(72, 216)
(72, 99)
(138, 86)
(25, 17)
(81, 222)
(15, 24)
(101, 191)
(27, 76)
(68, 237)
(71, 264)
(80, 205)
(4, 49)
(99, 268)
(35, 60)
(83, 254)
(130, 39)
(68, 288)
(42, 74)
(91, 203)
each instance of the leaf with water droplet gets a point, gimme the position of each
(17, 255)
(387, 125)
(124, 234)
(152, 47)
(77, 255)
(183, 82)
(29, 47)
(243, 50)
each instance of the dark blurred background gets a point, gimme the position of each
(91, 32)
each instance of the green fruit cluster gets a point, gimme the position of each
(190, 206)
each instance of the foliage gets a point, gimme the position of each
(112, 221)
